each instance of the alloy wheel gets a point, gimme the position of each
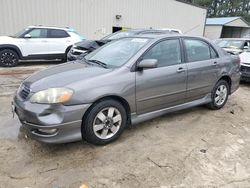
(107, 123)
(221, 95)
(8, 59)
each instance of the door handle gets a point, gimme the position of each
(180, 70)
(44, 41)
(215, 63)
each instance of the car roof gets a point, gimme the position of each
(164, 35)
(50, 27)
(138, 31)
(243, 39)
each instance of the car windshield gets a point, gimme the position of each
(20, 33)
(116, 53)
(230, 43)
(118, 35)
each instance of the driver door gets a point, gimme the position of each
(36, 43)
(164, 86)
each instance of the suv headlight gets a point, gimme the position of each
(52, 96)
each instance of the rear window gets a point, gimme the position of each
(57, 33)
(118, 35)
(230, 43)
(197, 50)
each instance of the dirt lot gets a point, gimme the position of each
(192, 148)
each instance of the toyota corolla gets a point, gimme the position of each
(124, 82)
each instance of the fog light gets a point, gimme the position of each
(47, 131)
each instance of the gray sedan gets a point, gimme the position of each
(124, 82)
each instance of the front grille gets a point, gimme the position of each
(80, 48)
(24, 92)
(76, 53)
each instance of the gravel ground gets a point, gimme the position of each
(191, 148)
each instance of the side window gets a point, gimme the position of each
(167, 53)
(38, 33)
(214, 54)
(57, 33)
(197, 50)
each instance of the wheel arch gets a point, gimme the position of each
(68, 49)
(228, 80)
(12, 47)
(117, 98)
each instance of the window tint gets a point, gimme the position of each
(57, 33)
(214, 54)
(197, 50)
(38, 33)
(167, 53)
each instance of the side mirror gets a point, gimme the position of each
(246, 47)
(148, 64)
(27, 36)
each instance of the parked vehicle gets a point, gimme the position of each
(234, 45)
(35, 43)
(172, 30)
(80, 49)
(247, 36)
(125, 81)
(245, 66)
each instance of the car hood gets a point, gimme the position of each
(91, 44)
(63, 75)
(6, 40)
(245, 58)
(233, 50)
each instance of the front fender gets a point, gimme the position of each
(13, 47)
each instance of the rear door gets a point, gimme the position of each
(203, 67)
(165, 85)
(58, 41)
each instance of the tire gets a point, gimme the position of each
(8, 58)
(65, 59)
(220, 95)
(108, 127)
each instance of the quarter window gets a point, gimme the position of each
(214, 54)
(197, 50)
(57, 33)
(167, 53)
(38, 33)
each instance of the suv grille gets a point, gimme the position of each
(24, 92)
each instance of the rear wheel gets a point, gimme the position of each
(219, 95)
(8, 58)
(104, 123)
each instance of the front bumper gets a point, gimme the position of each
(245, 72)
(75, 55)
(71, 57)
(51, 123)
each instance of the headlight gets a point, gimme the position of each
(52, 96)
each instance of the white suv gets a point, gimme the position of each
(37, 42)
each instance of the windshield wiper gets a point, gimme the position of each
(98, 63)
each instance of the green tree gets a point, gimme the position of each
(225, 8)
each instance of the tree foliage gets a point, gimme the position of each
(225, 8)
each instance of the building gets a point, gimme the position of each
(226, 27)
(97, 18)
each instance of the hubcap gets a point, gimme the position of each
(8, 58)
(107, 123)
(220, 95)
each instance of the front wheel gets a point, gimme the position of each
(104, 122)
(219, 95)
(8, 58)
